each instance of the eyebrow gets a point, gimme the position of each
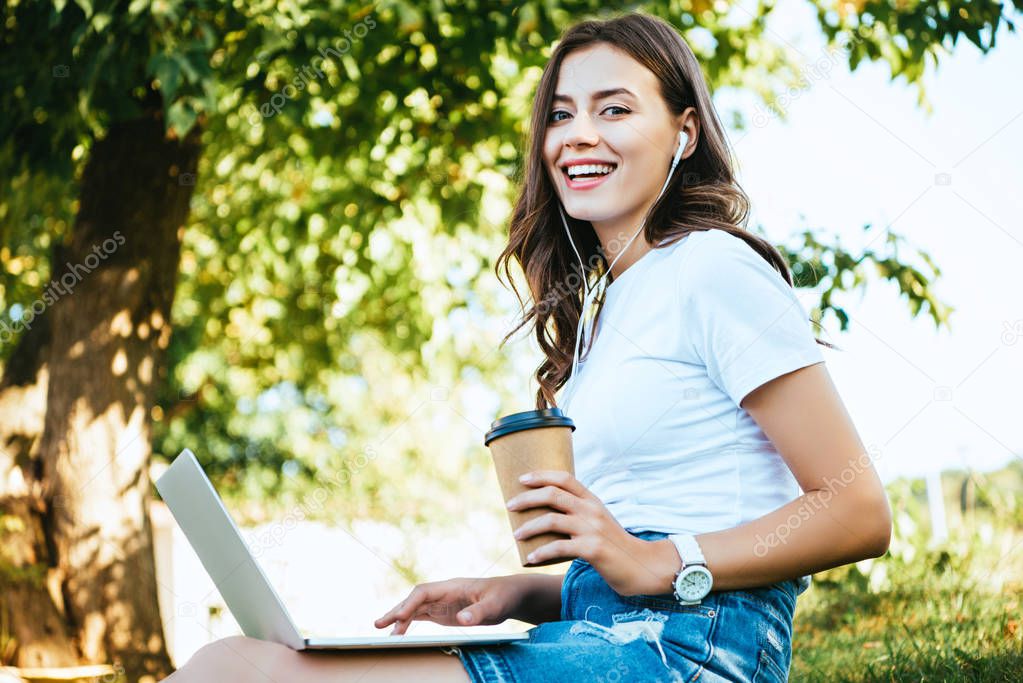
(598, 95)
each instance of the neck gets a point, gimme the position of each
(615, 234)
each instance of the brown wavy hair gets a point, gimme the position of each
(706, 196)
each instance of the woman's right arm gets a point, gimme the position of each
(542, 601)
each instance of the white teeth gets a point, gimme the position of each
(603, 169)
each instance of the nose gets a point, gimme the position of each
(581, 131)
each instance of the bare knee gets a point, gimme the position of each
(256, 661)
(236, 658)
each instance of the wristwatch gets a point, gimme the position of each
(693, 580)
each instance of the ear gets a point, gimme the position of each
(689, 122)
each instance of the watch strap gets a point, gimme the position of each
(688, 549)
(691, 554)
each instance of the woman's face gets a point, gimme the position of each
(608, 109)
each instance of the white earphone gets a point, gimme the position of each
(683, 139)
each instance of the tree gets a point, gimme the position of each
(284, 183)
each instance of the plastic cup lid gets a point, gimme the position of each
(530, 419)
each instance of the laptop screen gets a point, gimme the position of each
(222, 550)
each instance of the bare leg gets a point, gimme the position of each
(257, 661)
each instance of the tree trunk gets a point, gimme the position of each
(75, 402)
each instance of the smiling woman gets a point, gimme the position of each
(700, 414)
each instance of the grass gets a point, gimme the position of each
(922, 612)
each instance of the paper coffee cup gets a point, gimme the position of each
(524, 442)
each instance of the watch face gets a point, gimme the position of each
(694, 583)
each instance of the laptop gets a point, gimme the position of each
(251, 598)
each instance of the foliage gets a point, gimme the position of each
(360, 161)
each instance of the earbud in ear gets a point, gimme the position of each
(683, 140)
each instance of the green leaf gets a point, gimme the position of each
(168, 71)
(181, 117)
(86, 6)
(100, 21)
(138, 6)
(191, 73)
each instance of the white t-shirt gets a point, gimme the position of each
(686, 332)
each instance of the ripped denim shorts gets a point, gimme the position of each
(604, 637)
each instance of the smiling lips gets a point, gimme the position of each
(584, 174)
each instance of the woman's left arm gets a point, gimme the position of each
(843, 515)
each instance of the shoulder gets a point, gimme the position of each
(721, 242)
(724, 258)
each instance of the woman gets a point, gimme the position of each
(702, 407)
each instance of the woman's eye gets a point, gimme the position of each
(622, 111)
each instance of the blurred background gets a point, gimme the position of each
(267, 232)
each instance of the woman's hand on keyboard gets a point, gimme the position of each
(460, 602)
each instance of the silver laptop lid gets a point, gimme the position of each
(223, 552)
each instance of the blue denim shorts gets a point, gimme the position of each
(604, 637)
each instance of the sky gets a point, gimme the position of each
(857, 149)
